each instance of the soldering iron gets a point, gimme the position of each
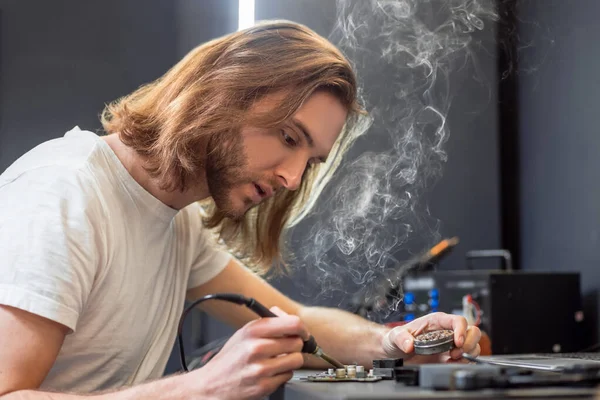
(310, 346)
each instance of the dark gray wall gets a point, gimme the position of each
(560, 142)
(62, 60)
(198, 21)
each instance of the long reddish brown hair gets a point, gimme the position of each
(209, 92)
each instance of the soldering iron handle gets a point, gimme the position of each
(310, 345)
(260, 309)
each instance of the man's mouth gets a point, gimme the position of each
(260, 190)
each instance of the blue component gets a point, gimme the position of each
(433, 309)
(409, 298)
(409, 317)
(434, 303)
(434, 294)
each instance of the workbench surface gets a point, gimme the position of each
(298, 388)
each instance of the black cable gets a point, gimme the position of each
(230, 297)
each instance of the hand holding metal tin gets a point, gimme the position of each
(399, 342)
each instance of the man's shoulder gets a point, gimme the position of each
(54, 173)
(63, 156)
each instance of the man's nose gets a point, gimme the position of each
(290, 172)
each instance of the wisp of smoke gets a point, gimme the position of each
(406, 50)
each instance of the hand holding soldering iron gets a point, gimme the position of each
(255, 361)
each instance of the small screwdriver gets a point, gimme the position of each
(310, 345)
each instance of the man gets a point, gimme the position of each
(102, 238)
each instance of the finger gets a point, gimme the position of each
(472, 339)
(286, 325)
(282, 364)
(271, 347)
(456, 354)
(271, 383)
(456, 323)
(471, 343)
(278, 311)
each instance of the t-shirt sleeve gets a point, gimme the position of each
(48, 246)
(208, 259)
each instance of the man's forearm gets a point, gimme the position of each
(167, 388)
(345, 336)
(35, 395)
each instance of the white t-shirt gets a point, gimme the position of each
(83, 244)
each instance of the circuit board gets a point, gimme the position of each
(325, 377)
(343, 375)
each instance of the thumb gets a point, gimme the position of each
(398, 339)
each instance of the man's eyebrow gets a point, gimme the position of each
(305, 131)
(307, 135)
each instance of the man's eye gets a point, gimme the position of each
(288, 139)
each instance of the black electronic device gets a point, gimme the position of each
(521, 311)
(472, 377)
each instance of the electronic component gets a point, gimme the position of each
(360, 372)
(384, 368)
(408, 375)
(351, 371)
(434, 342)
(388, 363)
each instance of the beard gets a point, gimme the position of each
(225, 166)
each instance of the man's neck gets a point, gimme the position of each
(134, 164)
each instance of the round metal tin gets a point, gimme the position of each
(434, 342)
